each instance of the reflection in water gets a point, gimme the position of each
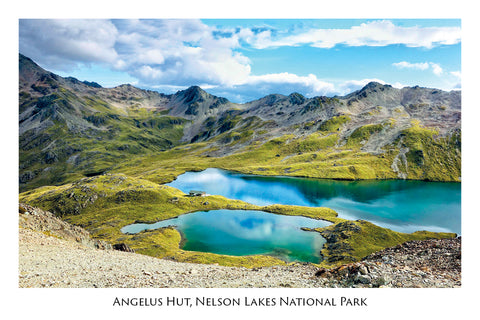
(238, 232)
(405, 206)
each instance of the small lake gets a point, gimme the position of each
(404, 206)
(242, 232)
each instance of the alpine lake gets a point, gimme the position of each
(399, 205)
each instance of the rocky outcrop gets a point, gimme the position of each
(435, 255)
(122, 247)
(351, 241)
(339, 250)
(46, 222)
(414, 264)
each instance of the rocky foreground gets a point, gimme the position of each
(53, 253)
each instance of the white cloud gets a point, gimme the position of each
(61, 44)
(408, 65)
(375, 33)
(311, 83)
(349, 86)
(168, 52)
(456, 74)
(435, 67)
(180, 52)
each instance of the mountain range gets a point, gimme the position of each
(69, 129)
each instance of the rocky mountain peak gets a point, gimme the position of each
(375, 85)
(372, 87)
(192, 94)
(30, 72)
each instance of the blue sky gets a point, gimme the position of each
(244, 60)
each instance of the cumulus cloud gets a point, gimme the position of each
(436, 68)
(310, 84)
(375, 33)
(179, 52)
(169, 52)
(61, 44)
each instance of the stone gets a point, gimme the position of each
(363, 270)
(122, 247)
(343, 271)
(363, 279)
(379, 282)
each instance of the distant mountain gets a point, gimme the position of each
(69, 128)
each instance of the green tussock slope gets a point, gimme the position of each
(70, 136)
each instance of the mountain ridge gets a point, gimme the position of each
(70, 128)
(195, 93)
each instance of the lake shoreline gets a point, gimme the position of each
(394, 204)
(243, 233)
(39, 241)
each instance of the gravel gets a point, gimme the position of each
(47, 261)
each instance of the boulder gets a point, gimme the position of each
(122, 247)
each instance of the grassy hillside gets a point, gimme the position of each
(66, 136)
(321, 154)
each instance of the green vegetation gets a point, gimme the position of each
(430, 157)
(318, 213)
(316, 155)
(90, 142)
(334, 123)
(350, 241)
(362, 134)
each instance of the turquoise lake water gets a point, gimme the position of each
(241, 232)
(404, 206)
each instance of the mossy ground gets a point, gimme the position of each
(315, 156)
(430, 157)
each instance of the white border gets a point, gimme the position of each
(97, 303)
